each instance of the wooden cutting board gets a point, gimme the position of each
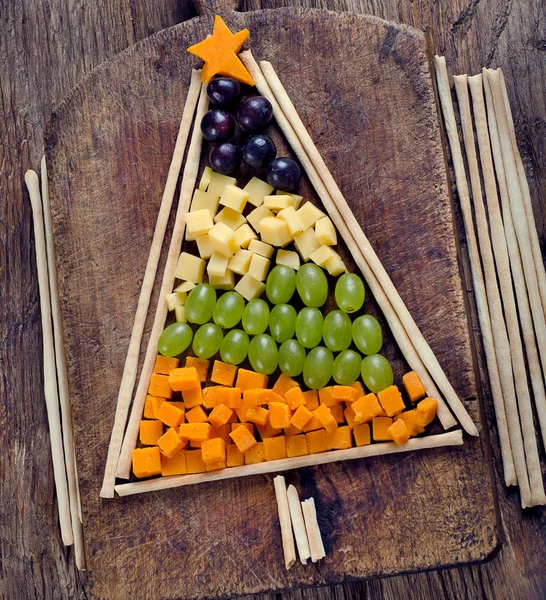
(364, 89)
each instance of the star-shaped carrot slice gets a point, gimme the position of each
(219, 51)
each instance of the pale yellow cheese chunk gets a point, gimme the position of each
(190, 268)
(222, 240)
(322, 254)
(288, 258)
(257, 190)
(227, 282)
(230, 217)
(234, 198)
(218, 182)
(295, 224)
(217, 265)
(244, 235)
(240, 262)
(277, 202)
(257, 215)
(274, 231)
(185, 286)
(261, 248)
(259, 267)
(249, 287)
(309, 215)
(204, 200)
(335, 265)
(199, 222)
(175, 299)
(205, 179)
(203, 245)
(180, 314)
(326, 232)
(297, 199)
(306, 243)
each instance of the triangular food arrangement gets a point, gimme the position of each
(262, 357)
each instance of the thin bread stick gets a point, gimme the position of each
(298, 524)
(189, 178)
(502, 263)
(477, 274)
(288, 547)
(516, 267)
(131, 362)
(62, 379)
(50, 376)
(400, 334)
(313, 531)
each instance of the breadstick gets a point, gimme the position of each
(503, 272)
(131, 362)
(284, 518)
(189, 178)
(313, 531)
(400, 334)
(298, 524)
(50, 376)
(477, 275)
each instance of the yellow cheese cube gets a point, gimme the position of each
(230, 217)
(234, 198)
(249, 287)
(180, 314)
(227, 282)
(244, 235)
(278, 202)
(185, 286)
(322, 255)
(297, 199)
(175, 299)
(205, 179)
(306, 243)
(274, 231)
(222, 240)
(203, 245)
(204, 201)
(325, 232)
(309, 214)
(295, 224)
(259, 267)
(257, 190)
(218, 183)
(288, 258)
(257, 215)
(257, 247)
(240, 262)
(190, 268)
(217, 266)
(199, 222)
(190, 237)
(335, 265)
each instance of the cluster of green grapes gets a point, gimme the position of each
(303, 341)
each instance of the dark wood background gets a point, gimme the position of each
(45, 48)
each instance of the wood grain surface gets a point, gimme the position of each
(45, 50)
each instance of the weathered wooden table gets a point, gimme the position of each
(45, 48)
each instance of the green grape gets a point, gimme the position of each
(350, 293)
(174, 339)
(263, 354)
(228, 310)
(309, 324)
(312, 285)
(282, 322)
(376, 373)
(317, 369)
(347, 367)
(280, 284)
(234, 347)
(336, 331)
(367, 334)
(200, 304)
(256, 317)
(291, 358)
(207, 340)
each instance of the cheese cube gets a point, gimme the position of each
(276, 203)
(259, 267)
(274, 231)
(257, 215)
(175, 299)
(218, 183)
(199, 222)
(204, 200)
(306, 243)
(295, 224)
(230, 217)
(288, 258)
(203, 245)
(227, 282)
(335, 265)
(326, 232)
(323, 254)
(222, 240)
(257, 190)
(205, 179)
(217, 266)
(190, 268)
(261, 248)
(189, 236)
(249, 287)
(240, 262)
(234, 198)
(244, 235)
(309, 214)
(185, 286)
(297, 199)
(180, 314)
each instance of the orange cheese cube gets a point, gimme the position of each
(165, 364)
(323, 414)
(275, 448)
(223, 373)
(349, 415)
(175, 465)
(235, 458)
(146, 462)
(194, 462)
(221, 432)
(413, 385)
(312, 425)
(380, 429)
(159, 386)
(294, 398)
(195, 444)
(249, 426)
(267, 430)
(316, 441)
(170, 415)
(213, 451)
(152, 406)
(249, 380)
(366, 408)
(210, 396)
(220, 415)
(410, 418)
(426, 411)
(362, 434)
(257, 415)
(229, 396)
(340, 439)
(185, 378)
(311, 399)
(197, 415)
(241, 413)
(171, 443)
(200, 364)
(291, 430)
(283, 384)
(181, 406)
(344, 393)
(296, 445)
(391, 401)
(150, 432)
(301, 417)
(360, 391)
(195, 432)
(255, 455)
(192, 397)
(337, 413)
(279, 414)
(259, 396)
(243, 439)
(399, 432)
(326, 396)
(221, 464)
